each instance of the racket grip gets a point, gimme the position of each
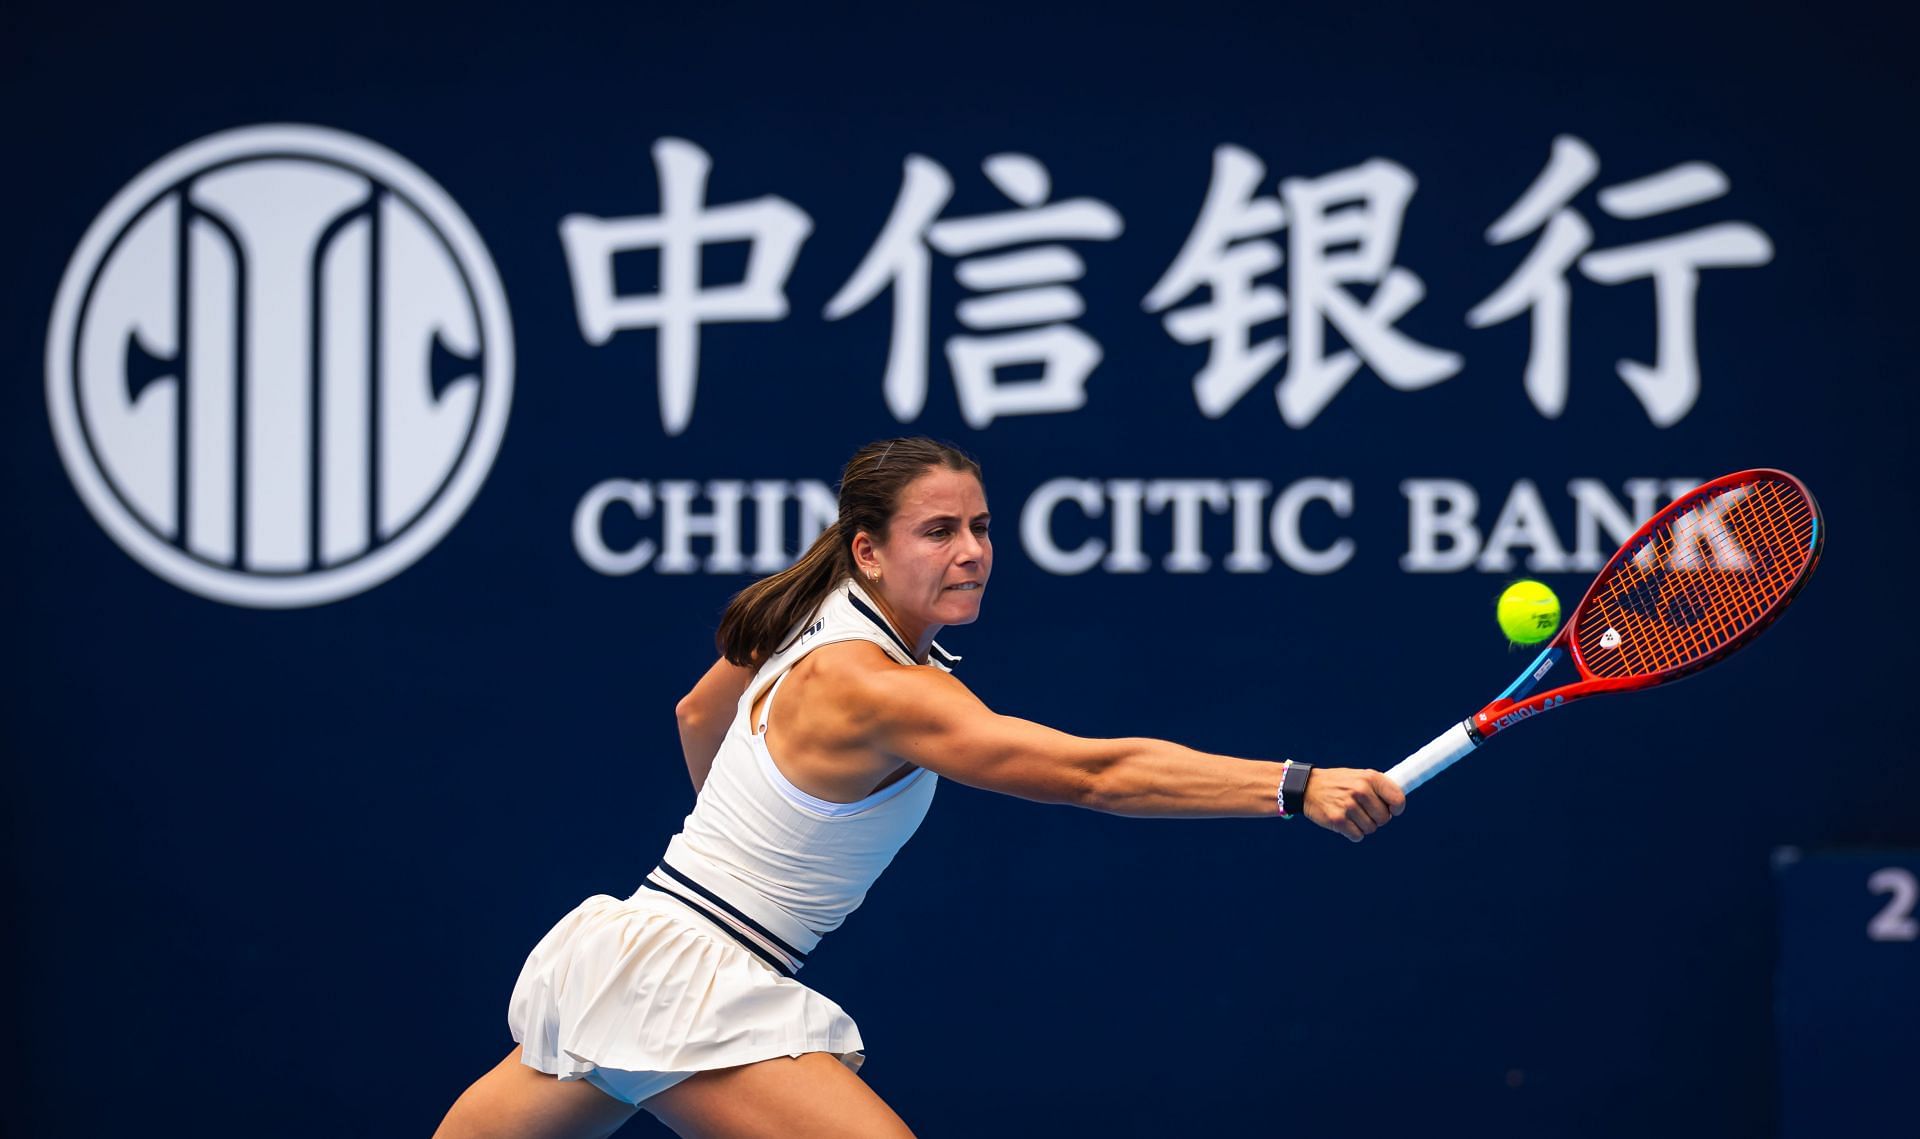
(1431, 760)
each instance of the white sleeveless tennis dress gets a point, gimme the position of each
(695, 970)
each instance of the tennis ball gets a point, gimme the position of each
(1529, 612)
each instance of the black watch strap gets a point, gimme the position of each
(1293, 788)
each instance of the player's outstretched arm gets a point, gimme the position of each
(930, 718)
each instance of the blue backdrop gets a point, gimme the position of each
(398, 394)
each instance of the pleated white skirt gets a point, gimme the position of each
(636, 995)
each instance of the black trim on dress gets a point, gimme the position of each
(720, 923)
(867, 610)
(717, 900)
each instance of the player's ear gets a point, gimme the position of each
(865, 559)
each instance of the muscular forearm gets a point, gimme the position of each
(1157, 779)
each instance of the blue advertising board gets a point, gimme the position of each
(1847, 993)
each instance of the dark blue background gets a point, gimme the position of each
(274, 872)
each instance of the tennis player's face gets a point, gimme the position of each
(934, 565)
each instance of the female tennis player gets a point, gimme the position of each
(815, 743)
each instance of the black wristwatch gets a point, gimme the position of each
(1293, 788)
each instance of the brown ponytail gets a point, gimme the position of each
(761, 617)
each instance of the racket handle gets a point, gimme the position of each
(1431, 760)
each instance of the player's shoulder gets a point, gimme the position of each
(848, 661)
(860, 674)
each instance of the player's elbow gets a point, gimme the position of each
(1116, 779)
(1033, 775)
(1098, 786)
(1054, 767)
(687, 712)
(1096, 794)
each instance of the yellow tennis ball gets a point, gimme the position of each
(1529, 612)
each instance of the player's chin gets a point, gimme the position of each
(960, 606)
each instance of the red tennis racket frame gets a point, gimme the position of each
(1520, 702)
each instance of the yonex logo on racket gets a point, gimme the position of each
(1526, 711)
(279, 366)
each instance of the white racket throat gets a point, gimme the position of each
(1436, 757)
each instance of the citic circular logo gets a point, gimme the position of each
(279, 366)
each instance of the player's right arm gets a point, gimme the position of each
(929, 718)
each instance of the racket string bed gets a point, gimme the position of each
(1798, 518)
(1636, 601)
(1768, 532)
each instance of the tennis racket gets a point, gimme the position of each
(1701, 579)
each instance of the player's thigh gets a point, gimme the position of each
(813, 1096)
(514, 1101)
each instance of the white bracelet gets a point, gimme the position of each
(1280, 793)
